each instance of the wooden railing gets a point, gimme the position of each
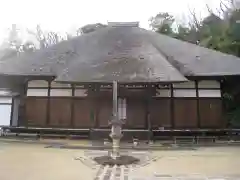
(173, 134)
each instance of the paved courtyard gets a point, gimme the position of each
(27, 161)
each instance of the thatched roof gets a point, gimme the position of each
(125, 54)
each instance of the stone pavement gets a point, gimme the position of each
(133, 172)
(126, 173)
(145, 157)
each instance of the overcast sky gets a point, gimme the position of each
(67, 15)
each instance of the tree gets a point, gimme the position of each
(216, 31)
(162, 23)
(13, 41)
(46, 39)
(222, 34)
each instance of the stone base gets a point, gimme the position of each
(122, 160)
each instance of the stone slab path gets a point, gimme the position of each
(127, 173)
(147, 159)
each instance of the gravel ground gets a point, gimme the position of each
(214, 161)
(34, 162)
(26, 161)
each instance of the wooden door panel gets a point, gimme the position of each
(160, 113)
(210, 113)
(60, 112)
(136, 113)
(104, 112)
(185, 113)
(84, 113)
(36, 111)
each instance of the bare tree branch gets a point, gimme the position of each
(209, 9)
(196, 23)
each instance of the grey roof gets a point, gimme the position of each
(125, 54)
(121, 53)
(193, 60)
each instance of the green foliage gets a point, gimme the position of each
(223, 35)
(233, 117)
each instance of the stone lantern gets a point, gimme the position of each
(116, 123)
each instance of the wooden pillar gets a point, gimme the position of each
(12, 109)
(148, 101)
(223, 115)
(198, 105)
(48, 104)
(96, 102)
(72, 106)
(91, 96)
(148, 113)
(22, 120)
(172, 114)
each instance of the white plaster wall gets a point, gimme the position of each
(38, 83)
(189, 84)
(54, 84)
(5, 114)
(37, 92)
(210, 93)
(5, 110)
(61, 92)
(208, 84)
(163, 93)
(80, 92)
(184, 93)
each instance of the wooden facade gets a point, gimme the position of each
(174, 106)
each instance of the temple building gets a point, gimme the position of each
(163, 83)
